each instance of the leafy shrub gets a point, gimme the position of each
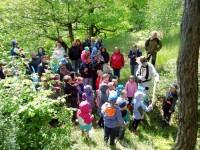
(31, 119)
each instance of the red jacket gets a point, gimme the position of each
(117, 60)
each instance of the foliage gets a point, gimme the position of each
(163, 15)
(30, 119)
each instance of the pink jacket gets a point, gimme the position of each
(131, 88)
(85, 56)
(85, 112)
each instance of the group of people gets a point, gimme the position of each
(89, 77)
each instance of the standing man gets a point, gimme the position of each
(152, 46)
(134, 53)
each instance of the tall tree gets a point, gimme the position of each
(187, 72)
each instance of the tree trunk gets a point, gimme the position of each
(92, 30)
(91, 27)
(70, 30)
(187, 72)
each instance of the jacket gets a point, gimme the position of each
(117, 60)
(130, 88)
(153, 45)
(133, 55)
(105, 56)
(74, 53)
(111, 115)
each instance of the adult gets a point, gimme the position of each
(59, 51)
(145, 73)
(41, 52)
(34, 63)
(75, 56)
(117, 62)
(65, 68)
(105, 55)
(99, 43)
(152, 46)
(134, 53)
(97, 64)
(43, 66)
(79, 44)
(86, 72)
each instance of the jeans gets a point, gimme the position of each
(116, 72)
(121, 132)
(76, 64)
(110, 133)
(134, 69)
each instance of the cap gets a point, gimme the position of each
(112, 97)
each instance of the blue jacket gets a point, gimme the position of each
(111, 115)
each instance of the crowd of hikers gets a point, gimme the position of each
(90, 79)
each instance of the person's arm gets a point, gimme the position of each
(120, 120)
(129, 54)
(147, 44)
(159, 45)
(122, 60)
(111, 61)
(145, 108)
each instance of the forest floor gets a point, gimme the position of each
(153, 134)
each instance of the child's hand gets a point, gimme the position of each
(151, 106)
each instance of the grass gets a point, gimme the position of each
(153, 133)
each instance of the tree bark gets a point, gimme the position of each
(70, 31)
(187, 73)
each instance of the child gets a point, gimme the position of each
(125, 115)
(85, 55)
(99, 78)
(85, 118)
(88, 95)
(102, 96)
(119, 89)
(138, 109)
(111, 87)
(86, 73)
(123, 96)
(131, 88)
(112, 118)
(169, 103)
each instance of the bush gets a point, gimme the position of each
(31, 119)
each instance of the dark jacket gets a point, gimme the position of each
(72, 93)
(41, 69)
(33, 65)
(105, 56)
(74, 53)
(153, 45)
(88, 73)
(133, 55)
